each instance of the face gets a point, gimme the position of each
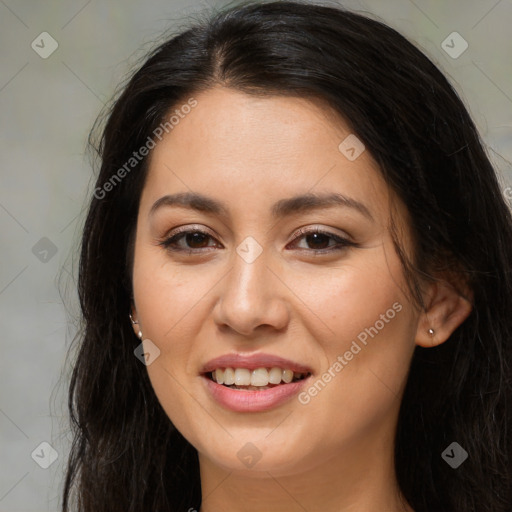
(285, 261)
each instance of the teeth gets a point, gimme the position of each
(274, 376)
(242, 377)
(259, 377)
(219, 376)
(287, 376)
(229, 376)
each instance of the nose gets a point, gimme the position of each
(252, 298)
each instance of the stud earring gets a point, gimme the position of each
(431, 332)
(134, 322)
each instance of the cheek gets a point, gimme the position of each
(364, 326)
(165, 293)
(172, 306)
(341, 302)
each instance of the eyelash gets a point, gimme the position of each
(342, 243)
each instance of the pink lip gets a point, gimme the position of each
(252, 401)
(251, 362)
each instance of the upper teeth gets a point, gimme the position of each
(258, 377)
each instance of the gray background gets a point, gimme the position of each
(47, 107)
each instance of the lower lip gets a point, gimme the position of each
(253, 401)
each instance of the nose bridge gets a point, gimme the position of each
(249, 280)
(250, 295)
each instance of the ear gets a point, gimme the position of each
(446, 309)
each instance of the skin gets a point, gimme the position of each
(334, 453)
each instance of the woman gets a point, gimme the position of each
(295, 280)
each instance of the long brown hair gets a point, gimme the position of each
(127, 455)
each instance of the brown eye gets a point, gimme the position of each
(196, 240)
(189, 240)
(318, 241)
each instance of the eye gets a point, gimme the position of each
(196, 240)
(320, 241)
(189, 240)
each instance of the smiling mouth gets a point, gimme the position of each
(255, 380)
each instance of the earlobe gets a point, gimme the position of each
(445, 311)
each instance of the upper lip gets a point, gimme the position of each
(252, 362)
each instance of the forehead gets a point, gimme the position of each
(249, 127)
(253, 150)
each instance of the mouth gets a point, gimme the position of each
(256, 390)
(258, 379)
(253, 382)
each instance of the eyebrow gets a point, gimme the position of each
(282, 208)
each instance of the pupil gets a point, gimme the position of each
(195, 240)
(317, 240)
